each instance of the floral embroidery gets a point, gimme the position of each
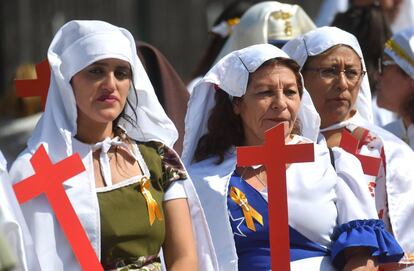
(173, 169)
(143, 263)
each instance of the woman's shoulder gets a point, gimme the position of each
(155, 150)
(152, 144)
(172, 167)
(160, 149)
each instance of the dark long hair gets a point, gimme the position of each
(225, 128)
(130, 119)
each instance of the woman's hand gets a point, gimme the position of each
(359, 259)
(179, 247)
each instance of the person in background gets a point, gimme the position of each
(399, 13)
(18, 116)
(396, 84)
(134, 196)
(169, 88)
(222, 29)
(246, 93)
(333, 69)
(368, 22)
(267, 22)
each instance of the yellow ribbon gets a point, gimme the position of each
(153, 208)
(233, 21)
(248, 211)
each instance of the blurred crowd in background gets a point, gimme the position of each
(182, 31)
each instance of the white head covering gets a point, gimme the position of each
(76, 45)
(266, 21)
(401, 49)
(318, 41)
(231, 74)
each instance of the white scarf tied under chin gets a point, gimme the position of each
(104, 160)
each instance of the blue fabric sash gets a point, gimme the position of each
(253, 248)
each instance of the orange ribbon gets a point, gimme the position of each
(153, 208)
(233, 21)
(248, 211)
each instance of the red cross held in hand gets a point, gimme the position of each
(274, 155)
(36, 87)
(49, 179)
(370, 164)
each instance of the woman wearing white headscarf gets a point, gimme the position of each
(245, 93)
(333, 69)
(396, 84)
(102, 105)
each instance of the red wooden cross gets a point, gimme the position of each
(370, 164)
(36, 87)
(48, 179)
(274, 155)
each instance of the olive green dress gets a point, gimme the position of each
(129, 241)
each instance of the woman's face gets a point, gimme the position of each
(272, 97)
(101, 90)
(333, 80)
(394, 86)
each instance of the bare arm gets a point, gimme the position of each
(179, 246)
(358, 259)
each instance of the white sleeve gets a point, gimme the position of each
(354, 200)
(175, 191)
(13, 225)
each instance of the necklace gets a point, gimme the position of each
(260, 179)
(257, 176)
